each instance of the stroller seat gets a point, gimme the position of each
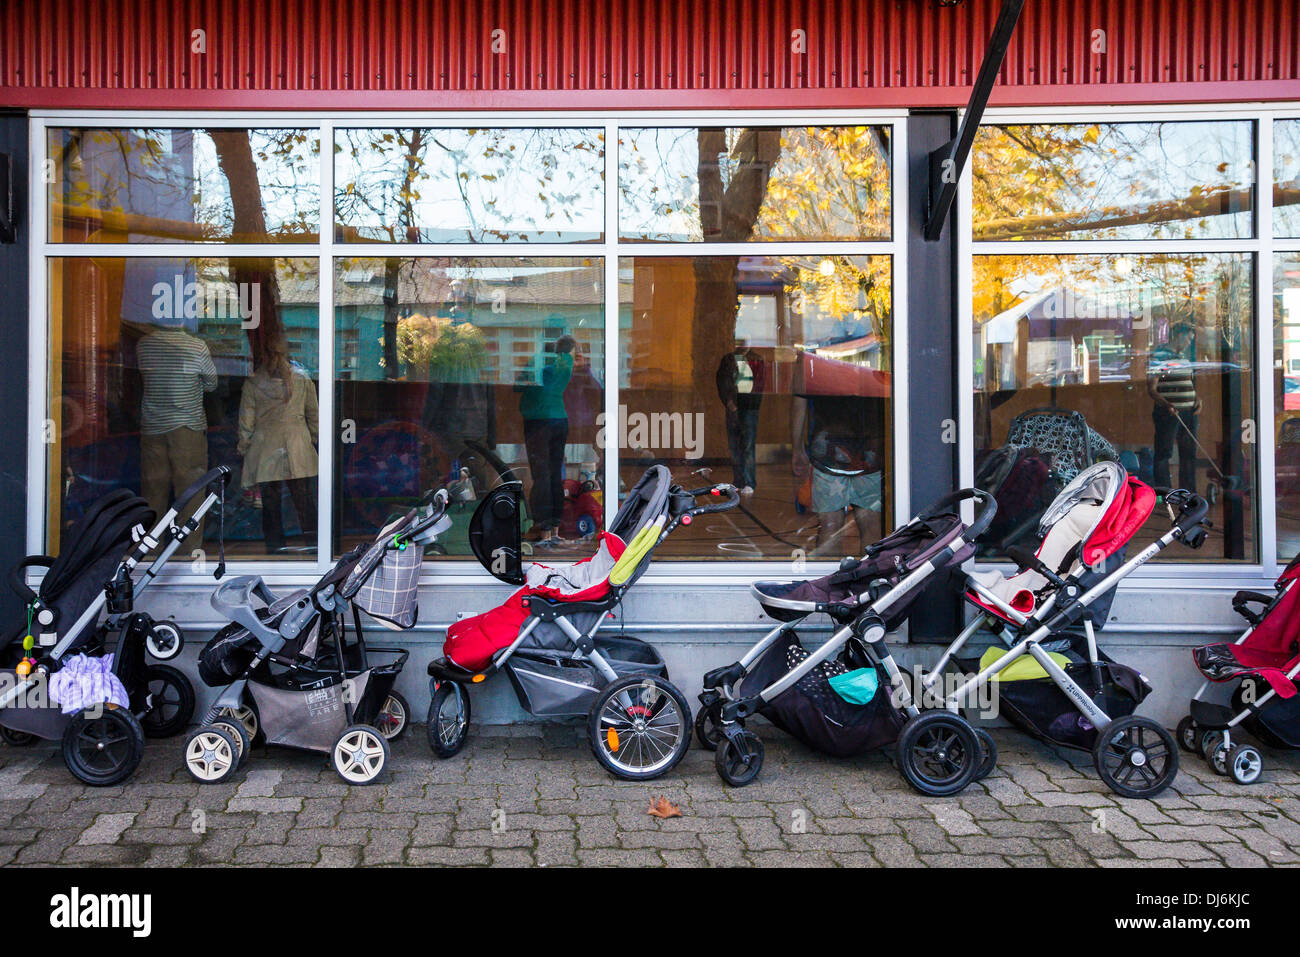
(1223, 662)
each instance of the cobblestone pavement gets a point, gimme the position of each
(534, 796)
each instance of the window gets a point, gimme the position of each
(1144, 353)
(1286, 400)
(1286, 178)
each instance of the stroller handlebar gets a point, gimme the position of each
(1189, 522)
(18, 581)
(219, 474)
(730, 491)
(986, 509)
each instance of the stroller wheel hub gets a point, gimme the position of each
(1137, 757)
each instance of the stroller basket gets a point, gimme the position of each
(553, 686)
(313, 717)
(813, 711)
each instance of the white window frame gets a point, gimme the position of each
(326, 251)
(1261, 246)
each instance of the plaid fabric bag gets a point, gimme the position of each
(385, 582)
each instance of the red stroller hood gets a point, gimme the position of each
(1127, 513)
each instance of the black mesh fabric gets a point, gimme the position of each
(813, 712)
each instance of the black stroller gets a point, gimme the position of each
(290, 674)
(1262, 665)
(545, 635)
(60, 687)
(848, 696)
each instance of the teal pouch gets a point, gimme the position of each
(856, 687)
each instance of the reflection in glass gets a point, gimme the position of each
(1184, 180)
(462, 373)
(773, 373)
(469, 186)
(1286, 178)
(164, 368)
(184, 185)
(744, 184)
(1286, 400)
(1145, 359)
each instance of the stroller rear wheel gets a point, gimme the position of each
(988, 754)
(238, 735)
(1245, 764)
(639, 727)
(360, 754)
(103, 750)
(939, 753)
(739, 759)
(707, 731)
(17, 739)
(393, 717)
(246, 716)
(1188, 735)
(449, 713)
(1136, 757)
(171, 702)
(211, 754)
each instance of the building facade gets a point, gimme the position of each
(717, 209)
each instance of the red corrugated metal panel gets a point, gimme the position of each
(671, 53)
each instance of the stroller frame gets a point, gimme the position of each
(449, 682)
(739, 753)
(1123, 747)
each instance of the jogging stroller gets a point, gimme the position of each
(1264, 663)
(545, 636)
(1071, 693)
(291, 676)
(84, 682)
(848, 696)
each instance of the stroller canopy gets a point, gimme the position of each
(1092, 518)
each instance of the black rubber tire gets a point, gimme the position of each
(173, 713)
(1245, 764)
(707, 731)
(1113, 756)
(239, 735)
(988, 754)
(384, 719)
(943, 737)
(17, 739)
(735, 769)
(115, 736)
(448, 747)
(1189, 738)
(600, 747)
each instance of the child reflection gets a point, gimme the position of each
(278, 425)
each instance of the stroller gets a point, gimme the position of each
(1264, 662)
(1071, 693)
(102, 706)
(289, 674)
(848, 696)
(545, 635)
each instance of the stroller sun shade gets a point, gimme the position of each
(887, 562)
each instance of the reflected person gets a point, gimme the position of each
(740, 387)
(546, 432)
(1171, 383)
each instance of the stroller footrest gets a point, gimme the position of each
(1211, 717)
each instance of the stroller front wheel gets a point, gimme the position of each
(211, 755)
(639, 727)
(360, 754)
(1136, 757)
(738, 760)
(939, 753)
(449, 713)
(1188, 735)
(707, 730)
(165, 640)
(1245, 764)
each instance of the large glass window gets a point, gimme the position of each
(161, 369)
(419, 185)
(465, 372)
(1286, 400)
(742, 184)
(1286, 178)
(1156, 180)
(770, 372)
(183, 185)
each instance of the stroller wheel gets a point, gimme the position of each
(238, 736)
(104, 750)
(639, 727)
(211, 754)
(988, 754)
(1136, 757)
(360, 754)
(1209, 744)
(1188, 735)
(738, 762)
(1245, 764)
(17, 739)
(939, 753)
(171, 702)
(245, 716)
(449, 713)
(707, 731)
(393, 717)
(165, 640)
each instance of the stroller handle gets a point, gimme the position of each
(986, 504)
(219, 474)
(730, 491)
(18, 581)
(1192, 509)
(436, 502)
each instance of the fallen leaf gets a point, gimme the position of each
(662, 807)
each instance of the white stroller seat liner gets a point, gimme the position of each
(571, 579)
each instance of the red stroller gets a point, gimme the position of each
(1264, 662)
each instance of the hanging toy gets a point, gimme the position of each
(28, 643)
(24, 667)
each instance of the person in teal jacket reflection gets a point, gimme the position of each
(546, 432)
